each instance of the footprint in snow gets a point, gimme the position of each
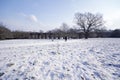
(9, 64)
(52, 53)
(59, 76)
(1, 74)
(114, 65)
(85, 63)
(97, 75)
(46, 63)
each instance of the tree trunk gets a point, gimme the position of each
(86, 35)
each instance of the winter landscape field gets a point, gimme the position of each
(90, 59)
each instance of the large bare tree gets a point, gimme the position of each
(88, 22)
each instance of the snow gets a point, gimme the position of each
(91, 59)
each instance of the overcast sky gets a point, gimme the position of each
(36, 15)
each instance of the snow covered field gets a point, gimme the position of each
(92, 59)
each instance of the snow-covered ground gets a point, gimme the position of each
(92, 59)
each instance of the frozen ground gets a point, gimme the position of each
(92, 59)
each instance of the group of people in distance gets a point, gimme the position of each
(63, 38)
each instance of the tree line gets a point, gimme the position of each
(89, 25)
(72, 33)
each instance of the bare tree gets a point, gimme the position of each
(88, 22)
(64, 27)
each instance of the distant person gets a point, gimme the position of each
(65, 38)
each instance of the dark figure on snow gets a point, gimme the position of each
(65, 38)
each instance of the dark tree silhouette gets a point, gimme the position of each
(116, 33)
(5, 33)
(88, 22)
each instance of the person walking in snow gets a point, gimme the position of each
(65, 38)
